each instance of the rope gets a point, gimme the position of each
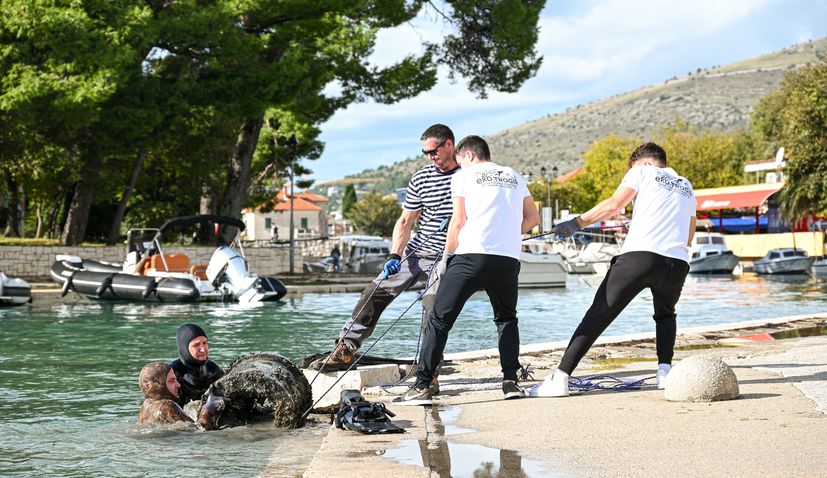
(581, 384)
(352, 365)
(605, 382)
(442, 226)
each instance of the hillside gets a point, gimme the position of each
(718, 98)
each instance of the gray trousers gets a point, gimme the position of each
(380, 293)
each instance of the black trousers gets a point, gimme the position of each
(628, 275)
(466, 274)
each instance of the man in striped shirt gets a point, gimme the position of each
(428, 201)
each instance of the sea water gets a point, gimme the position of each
(69, 394)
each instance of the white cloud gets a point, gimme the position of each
(591, 49)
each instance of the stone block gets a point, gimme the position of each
(701, 379)
(362, 377)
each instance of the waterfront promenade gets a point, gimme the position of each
(777, 427)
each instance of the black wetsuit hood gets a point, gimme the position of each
(184, 336)
(195, 376)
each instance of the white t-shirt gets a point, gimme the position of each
(664, 204)
(494, 208)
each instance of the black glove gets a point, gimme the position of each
(215, 404)
(566, 228)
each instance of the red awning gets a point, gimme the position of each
(751, 195)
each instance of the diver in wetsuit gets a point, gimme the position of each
(193, 368)
(160, 389)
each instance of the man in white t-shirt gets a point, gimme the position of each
(492, 208)
(655, 255)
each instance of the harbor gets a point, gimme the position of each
(70, 406)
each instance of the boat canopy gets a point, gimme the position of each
(200, 218)
(751, 195)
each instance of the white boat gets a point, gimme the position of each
(708, 255)
(784, 261)
(150, 274)
(595, 258)
(819, 268)
(542, 270)
(14, 291)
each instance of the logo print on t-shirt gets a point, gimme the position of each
(496, 178)
(678, 185)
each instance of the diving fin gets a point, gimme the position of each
(357, 414)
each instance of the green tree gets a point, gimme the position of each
(95, 92)
(709, 159)
(348, 200)
(795, 117)
(606, 162)
(375, 214)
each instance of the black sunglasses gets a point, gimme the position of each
(432, 152)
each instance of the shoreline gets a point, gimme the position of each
(776, 427)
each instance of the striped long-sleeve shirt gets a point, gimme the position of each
(429, 191)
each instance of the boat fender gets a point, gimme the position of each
(150, 288)
(105, 284)
(67, 285)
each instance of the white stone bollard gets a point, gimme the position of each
(701, 379)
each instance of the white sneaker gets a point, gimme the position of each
(663, 372)
(551, 387)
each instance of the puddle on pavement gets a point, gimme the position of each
(459, 460)
(802, 332)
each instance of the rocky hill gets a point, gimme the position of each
(718, 98)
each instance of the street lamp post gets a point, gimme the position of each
(554, 172)
(292, 142)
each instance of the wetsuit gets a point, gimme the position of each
(195, 376)
(159, 403)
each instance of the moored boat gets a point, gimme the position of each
(708, 255)
(542, 270)
(150, 274)
(784, 261)
(14, 291)
(819, 267)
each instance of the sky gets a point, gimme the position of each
(592, 49)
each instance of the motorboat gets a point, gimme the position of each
(14, 291)
(150, 274)
(708, 255)
(784, 261)
(594, 258)
(540, 267)
(819, 267)
(360, 254)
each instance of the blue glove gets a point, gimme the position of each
(392, 265)
(444, 224)
(566, 228)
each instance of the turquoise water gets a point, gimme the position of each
(69, 397)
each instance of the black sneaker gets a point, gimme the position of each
(415, 396)
(511, 390)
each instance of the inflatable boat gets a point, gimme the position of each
(14, 291)
(150, 274)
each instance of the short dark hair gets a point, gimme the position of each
(476, 145)
(648, 150)
(439, 132)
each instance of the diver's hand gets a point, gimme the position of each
(392, 265)
(215, 404)
(566, 228)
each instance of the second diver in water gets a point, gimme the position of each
(160, 388)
